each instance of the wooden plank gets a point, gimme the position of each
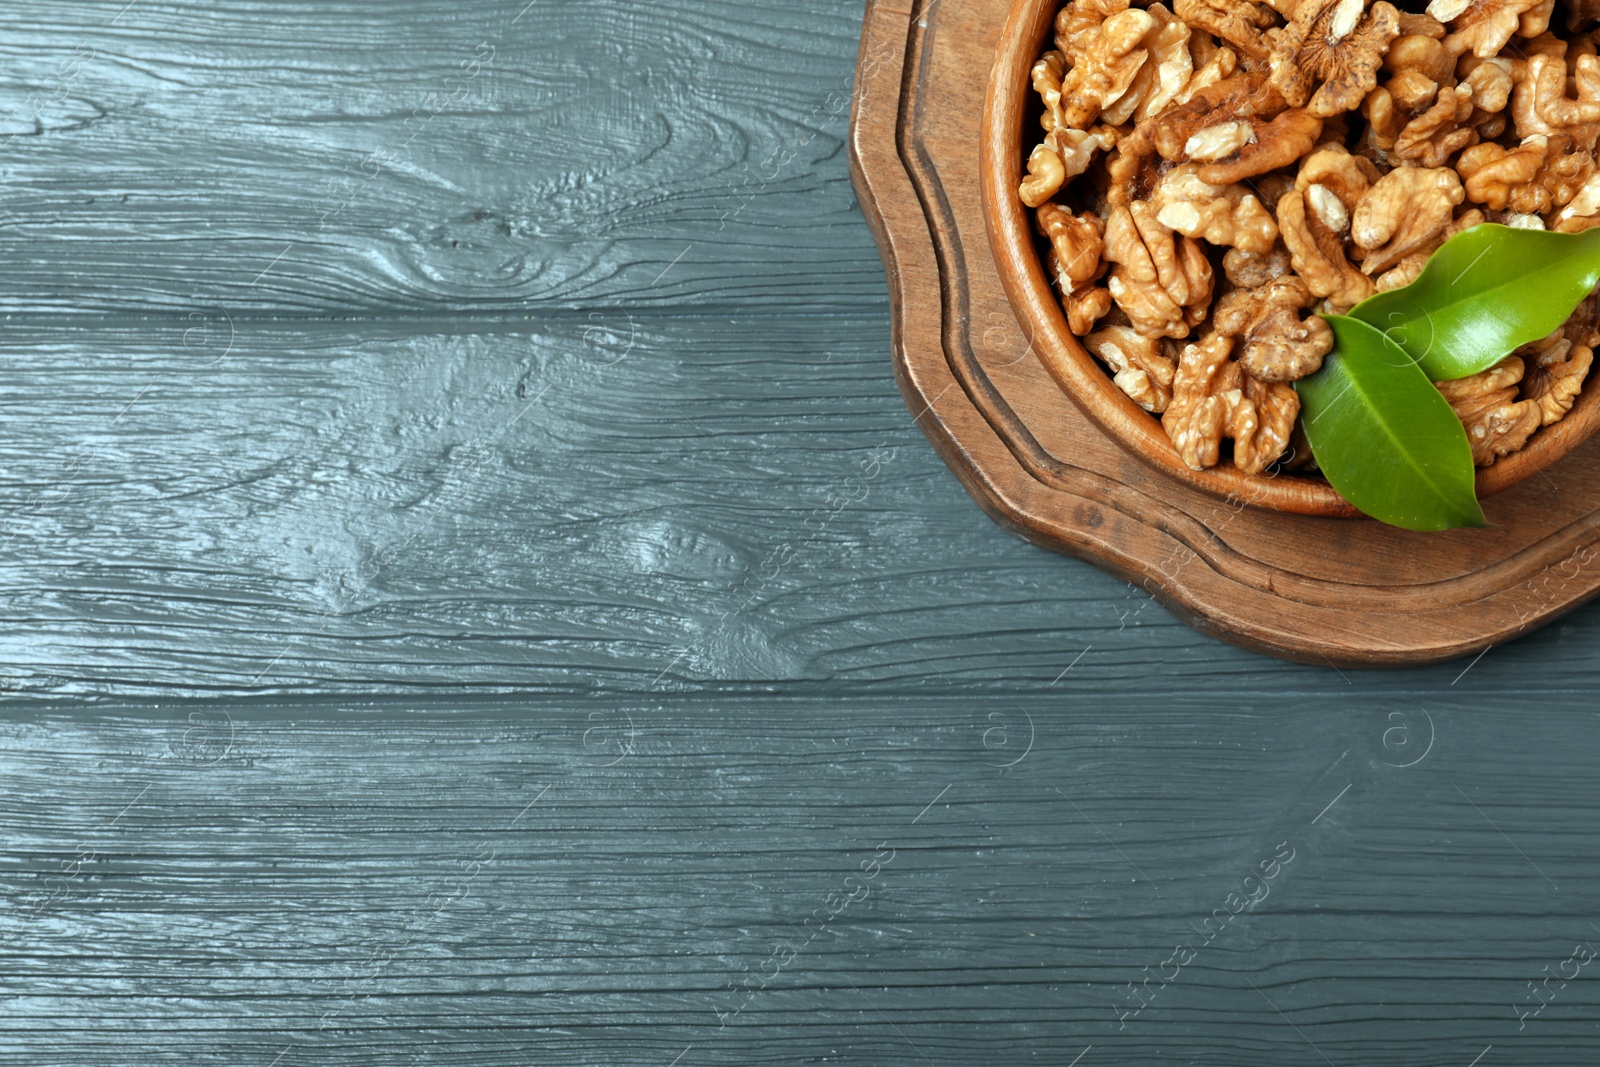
(548, 882)
(722, 506)
(303, 157)
(571, 505)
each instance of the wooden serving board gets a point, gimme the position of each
(1334, 591)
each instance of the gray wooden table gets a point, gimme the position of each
(475, 597)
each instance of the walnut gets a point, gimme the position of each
(1403, 273)
(1536, 20)
(1239, 22)
(1410, 268)
(1493, 174)
(1578, 224)
(1217, 66)
(1482, 27)
(1278, 345)
(1163, 284)
(1046, 77)
(1555, 375)
(1332, 167)
(1207, 402)
(1105, 61)
(1216, 142)
(1385, 118)
(1491, 83)
(1313, 219)
(1327, 58)
(1074, 262)
(1277, 414)
(1130, 169)
(1275, 144)
(1143, 369)
(1496, 422)
(1239, 128)
(1077, 241)
(1250, 269)
(1045, 175)
(1203, 48)
(1540, 103)
(1582, 211)
(1412, 91)
(1421, 115)
(1164, 74)
(1066, 153)
(1243, 97)
(1402, 212)
(1221, 214)
(1545, 44)
(1568, 166)
(1317, 253)
(1506, 373)
(1413, 24)
(1213, 399)
(1391, 107)
(1152, 309)
(1073, 149)
(1078, 23)
(1077, 148)
(1420, 54)
(1085, 307)
(1431, 138)
(1541, 173)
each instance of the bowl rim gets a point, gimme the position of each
(1081, 376)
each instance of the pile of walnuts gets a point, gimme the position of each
(1234, 164)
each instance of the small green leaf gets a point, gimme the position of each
(1384, 437)
(1483, 293)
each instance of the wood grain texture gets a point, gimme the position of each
(164, 158)
(387, 508)
(1331, 592)
(552, 883)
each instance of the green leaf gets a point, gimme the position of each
(1483, 293)
(1384, 437)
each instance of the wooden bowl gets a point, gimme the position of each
(1008, 108)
